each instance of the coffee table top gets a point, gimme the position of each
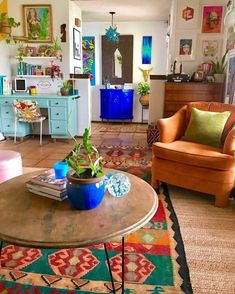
(31, 220)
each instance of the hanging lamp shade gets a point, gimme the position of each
(111, 33)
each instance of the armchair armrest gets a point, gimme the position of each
(172, 128)
(229, 144)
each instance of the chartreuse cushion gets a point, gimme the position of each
(206, 127)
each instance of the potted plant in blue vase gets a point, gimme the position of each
(86, 180)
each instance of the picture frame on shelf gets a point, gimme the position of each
(30, 51)
(186, 46)
(187, 14)
(37, 23)
(230, 77)
(210, 46)
(212, 19)
(76, 44)
(77, 70)
(48, 71)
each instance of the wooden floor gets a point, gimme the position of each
(34, 155)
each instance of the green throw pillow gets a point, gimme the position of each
(206, 127)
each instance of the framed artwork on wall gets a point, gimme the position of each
(76, 44)
(37, 22)
(185, 46)
(187, 14)
(88, 57)
(77, 70)
(212, 17)
(210, 46)
(230, 78)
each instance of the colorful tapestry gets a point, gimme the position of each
(88, 53)
(147, 50)
(154, 255)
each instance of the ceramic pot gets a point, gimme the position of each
(64, 92)
(144, 100)
(85, 194)
(5, 28)
(219, 78)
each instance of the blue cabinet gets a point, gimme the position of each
(116, 104)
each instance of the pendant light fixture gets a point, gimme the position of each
(111, 33)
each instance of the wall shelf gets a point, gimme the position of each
(38, 57)
(33, 76)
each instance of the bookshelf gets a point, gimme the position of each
(33, 76)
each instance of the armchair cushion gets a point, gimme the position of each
(194, 154)
(206, 127)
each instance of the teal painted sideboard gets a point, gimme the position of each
(62, 115)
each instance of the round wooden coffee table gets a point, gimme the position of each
(31, 220)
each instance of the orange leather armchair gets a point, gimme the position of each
(191, 165)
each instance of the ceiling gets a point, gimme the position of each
(126, 10)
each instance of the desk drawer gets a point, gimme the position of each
(6, 102)
(59, 127)
(58, 102)
(7, 112)
(8, 126)
(58, 113)
(43, 103)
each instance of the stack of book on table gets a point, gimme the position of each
(46, 185)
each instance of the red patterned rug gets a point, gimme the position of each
(155, 260)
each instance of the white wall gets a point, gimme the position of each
(176, 28)
(155, 29)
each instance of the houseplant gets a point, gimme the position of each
(85, 186)
(144, 91)
(218, 68)
(7, 23)
(64, 90)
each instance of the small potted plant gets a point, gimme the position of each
(54, 49)
(64, 90)
(144, 91)
(86, 180)
(218, 68)
(7, 23)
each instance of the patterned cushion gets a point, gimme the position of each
(27, 110)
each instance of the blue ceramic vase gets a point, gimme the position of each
(85, 194)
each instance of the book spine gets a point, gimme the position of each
(52, 186)
(46, 195)
(59, 193)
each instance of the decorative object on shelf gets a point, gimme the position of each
(212, 19)
(76, 44)
(146, 73)
(111, 33)
(86, 182)
(146, 50)
(63, 33)
(198, 75)
(64, 90)
(144, 91)
(7, 23)
(31, 51)
(88, 57)
(38, 23)
(186, 45)
(218, 68)
(177, 67)
(55, 49)
(55, 70)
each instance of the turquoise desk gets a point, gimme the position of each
(62, 115)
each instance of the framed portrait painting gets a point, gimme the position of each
(37, 20)
(212, 17)
(185, 46)
(76, 44)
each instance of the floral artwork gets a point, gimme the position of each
(38, 23)
(212, 19)
(210, 48)
(88, 53)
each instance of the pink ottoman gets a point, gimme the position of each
(10, 165)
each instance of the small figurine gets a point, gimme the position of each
(177, 67)
(146, 73)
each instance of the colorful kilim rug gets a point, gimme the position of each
(154, 255)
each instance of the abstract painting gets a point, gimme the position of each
(88, 53)
(146, 50)
(212, 19)
(38, 23)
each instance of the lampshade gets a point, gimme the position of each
(111, 33)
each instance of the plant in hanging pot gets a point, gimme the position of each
(218, 68)
(144, 91)
(7, 23)
(86, 180)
